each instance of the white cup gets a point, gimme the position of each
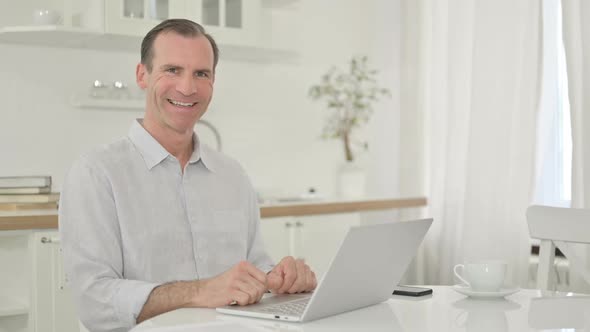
(46, 17)
(486, 276)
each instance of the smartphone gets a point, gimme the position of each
(411, 291)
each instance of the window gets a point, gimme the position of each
(554, 139)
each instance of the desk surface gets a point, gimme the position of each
(445, 310)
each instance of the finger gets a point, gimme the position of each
(255, 272)
(310, 280)
(306, 276)
(290, 274)
(245, 287)
(256, 287)
(240, 297)
(300, 282)
(274, 280)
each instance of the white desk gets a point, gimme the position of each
(445, 310)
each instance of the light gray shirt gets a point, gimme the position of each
(130, 220)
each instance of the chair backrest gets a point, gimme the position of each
(551, 225)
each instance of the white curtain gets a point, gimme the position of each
(477, 82)
(576, 36)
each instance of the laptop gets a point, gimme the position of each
(368, 265)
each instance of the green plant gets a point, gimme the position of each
(350, 96)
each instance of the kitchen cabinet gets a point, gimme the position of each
(14, 294)
(238, 26)
(52, 308)
(312, 238)
(137, 17)
(232, 22)
(34, 297)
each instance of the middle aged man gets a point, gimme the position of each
(157, 221)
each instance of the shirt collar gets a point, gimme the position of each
(203, 153)
(154, 153)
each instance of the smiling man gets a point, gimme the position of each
(158, 221)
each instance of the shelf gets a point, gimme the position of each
(10, 307)
(279, 4)
(68, 37)
(78, 38)
(108, 104)
(256, 54)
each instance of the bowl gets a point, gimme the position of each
(46, 17)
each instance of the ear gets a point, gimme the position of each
(141, 75)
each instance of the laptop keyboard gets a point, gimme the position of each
(294, 308)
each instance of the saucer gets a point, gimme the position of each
(504, 291)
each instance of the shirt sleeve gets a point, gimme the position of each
(93, 254)
(257, 254)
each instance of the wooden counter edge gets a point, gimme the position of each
(49, 221)
(315, 208)
(28, 222)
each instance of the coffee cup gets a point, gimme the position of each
(485, 276)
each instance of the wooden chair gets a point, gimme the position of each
(554, 225)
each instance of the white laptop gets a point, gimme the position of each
(368, 265)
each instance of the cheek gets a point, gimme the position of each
(161, 86)
(205, 88)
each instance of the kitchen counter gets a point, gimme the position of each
(28, 219)
(47, 219)
(330, 207)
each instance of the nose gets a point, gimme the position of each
(187, 85)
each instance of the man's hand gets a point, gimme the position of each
(243, 283)
(291, 276)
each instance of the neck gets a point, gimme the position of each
(180, 145)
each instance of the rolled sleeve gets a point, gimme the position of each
(92, 252)
(130, 298)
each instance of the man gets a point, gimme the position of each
(157, 221)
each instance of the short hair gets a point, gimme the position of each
(183, 27)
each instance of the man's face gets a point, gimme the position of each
(180, 85)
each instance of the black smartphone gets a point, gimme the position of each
(411, 291)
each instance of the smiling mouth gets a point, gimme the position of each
(181, 104)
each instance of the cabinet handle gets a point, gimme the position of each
(46, 240)
(288, 225)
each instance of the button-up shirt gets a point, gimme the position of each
(130, 219)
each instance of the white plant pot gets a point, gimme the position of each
(351, 180)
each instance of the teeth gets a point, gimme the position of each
(178, 103)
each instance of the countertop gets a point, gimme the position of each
(47, 219)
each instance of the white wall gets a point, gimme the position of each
(263, 113)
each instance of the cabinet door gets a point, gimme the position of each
(312, 238)
(319, 238)
(137, 17)
(230, 22)
(276, 233)
(52, 308)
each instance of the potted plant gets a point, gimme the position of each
(350, 96)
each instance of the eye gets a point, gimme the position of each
(202, 74)
(172, 70)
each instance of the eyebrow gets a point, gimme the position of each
(169, 65)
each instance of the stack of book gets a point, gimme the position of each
(27, 192)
